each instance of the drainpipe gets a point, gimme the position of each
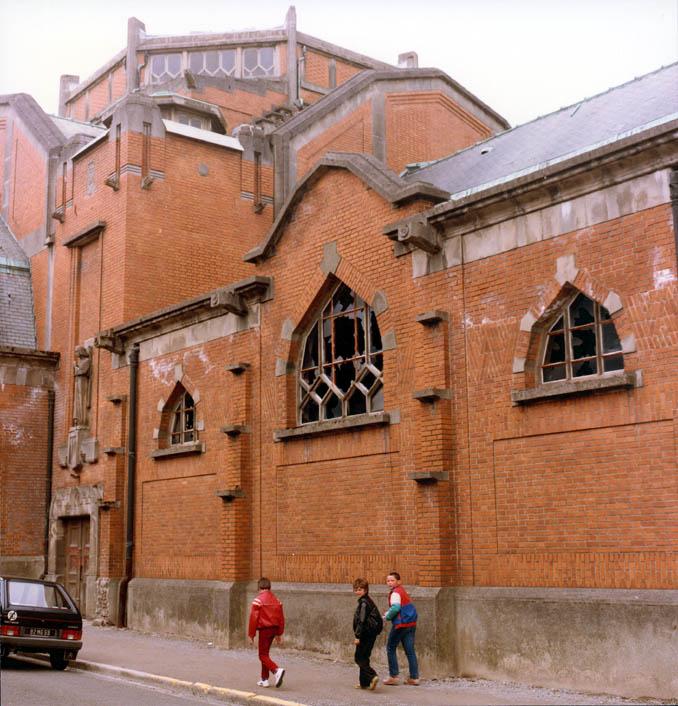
(131, 482)
(48, 491)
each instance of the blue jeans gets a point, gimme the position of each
(406, 636)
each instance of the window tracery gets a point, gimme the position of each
(340, 372)
(581, 342)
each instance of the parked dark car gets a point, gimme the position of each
(39, 616)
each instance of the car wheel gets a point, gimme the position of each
(58, 660)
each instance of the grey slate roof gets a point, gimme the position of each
(605, 118)
(17, 320)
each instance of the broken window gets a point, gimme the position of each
(581, 342)
(183, 421)
(341, 363)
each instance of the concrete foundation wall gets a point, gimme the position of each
(608, 641)
(605, 641)
(210, 610)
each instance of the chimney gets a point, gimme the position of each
(135, 30)
(67, 83)
(408, 60)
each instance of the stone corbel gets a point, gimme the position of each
(59, 214)
(109, 342)
(226, 299)
(417, 233)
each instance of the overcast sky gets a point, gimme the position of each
(524, 58)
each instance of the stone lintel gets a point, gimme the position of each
(86, 235)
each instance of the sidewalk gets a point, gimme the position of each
(197, 666)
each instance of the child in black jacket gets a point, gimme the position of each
(367, 624)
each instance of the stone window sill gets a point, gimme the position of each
(345, 424)
(577, 387)
(196, 447)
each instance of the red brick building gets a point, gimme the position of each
(299, 313)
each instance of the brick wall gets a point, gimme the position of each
(23, 474)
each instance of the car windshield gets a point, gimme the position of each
(36, 595)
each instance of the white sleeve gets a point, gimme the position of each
(394, 599)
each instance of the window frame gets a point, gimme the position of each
(307, 391)
(239, 71)
(178, 416)
(601, 320)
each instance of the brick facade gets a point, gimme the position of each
(212, 257)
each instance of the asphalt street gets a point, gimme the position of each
(28, 682)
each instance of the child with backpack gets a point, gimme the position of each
(367, 624)
(403, 616)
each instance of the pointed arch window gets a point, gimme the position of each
(582, 342)
(182, 421)
(341, 361)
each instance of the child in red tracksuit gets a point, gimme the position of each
(267, 617)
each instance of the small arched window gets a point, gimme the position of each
(340, 374)
(182, 421)
(581, 342)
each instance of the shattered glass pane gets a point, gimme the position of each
(344, 376)
(377, 361)
(343, 299)
(581, 311)
(583, 343)
(321, 389)
(344, 338)
(557, 372)
(555, 349)
(189, 419)
(558, 325)
(613, 363)
(332, 407)
(611, 341)
(584, 367)
(360, 343)
(375, 336)
(368, 380)
(309, 411)
(357, 403)
(327, 340)
(377, 400)
(311, 350)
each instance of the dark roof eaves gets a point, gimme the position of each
(537, 176)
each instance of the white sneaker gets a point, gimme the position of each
(263, 682)
(280, 673)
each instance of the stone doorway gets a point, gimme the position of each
(73, 558)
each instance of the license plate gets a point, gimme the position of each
(40, 632)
